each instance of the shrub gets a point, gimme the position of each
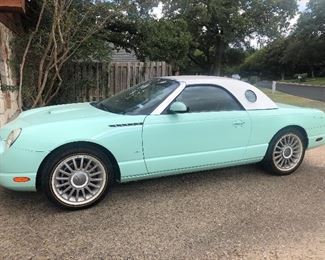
(253, 79)
(301, 77)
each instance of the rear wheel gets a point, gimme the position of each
(77, 178)
(286, 152)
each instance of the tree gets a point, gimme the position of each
(77, 30)
(254, 64)
(269, 61)
(219, 25)
(311, 22)
(305, 55)
(157, 40)
(306, 48)
(166, 40)
(64, 30)
(274, 62)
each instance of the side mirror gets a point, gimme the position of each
(178, 107)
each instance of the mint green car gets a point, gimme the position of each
(165, 126)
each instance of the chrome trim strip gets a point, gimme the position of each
(169, 99)
(128, 124)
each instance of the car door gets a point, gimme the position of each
(215, 131)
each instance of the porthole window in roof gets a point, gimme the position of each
(250, 96)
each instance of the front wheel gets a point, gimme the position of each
(285, 153)
(77, 178)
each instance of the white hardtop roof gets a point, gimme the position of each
(236, 87)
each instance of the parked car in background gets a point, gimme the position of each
(165, 126)
(235, 76)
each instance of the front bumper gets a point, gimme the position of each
(17, 162)
(7, 181)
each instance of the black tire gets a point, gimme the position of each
(269, 162)
(58, 156)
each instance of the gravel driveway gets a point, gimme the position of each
(227, 214)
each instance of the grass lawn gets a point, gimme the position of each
(311, 81)
(281, 97)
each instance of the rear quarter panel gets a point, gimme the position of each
(266, 123)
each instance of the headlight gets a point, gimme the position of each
(14, 134)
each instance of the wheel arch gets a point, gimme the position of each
(117, 173)
(297, 127)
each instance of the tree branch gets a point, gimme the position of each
(22, 64)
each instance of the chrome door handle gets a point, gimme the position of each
(238, 123)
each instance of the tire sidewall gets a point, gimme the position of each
(57, 157)
(268, 161)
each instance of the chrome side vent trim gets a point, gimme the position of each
(124, 125)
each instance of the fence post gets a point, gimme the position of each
(128, 75)
(97, 80)
(163, 68)
(115, 78)
(86, 80)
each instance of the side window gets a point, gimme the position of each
(204, 98)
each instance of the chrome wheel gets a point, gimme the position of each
(287, 152)
(79, 179)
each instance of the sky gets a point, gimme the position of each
(157, 11)
(302, 4)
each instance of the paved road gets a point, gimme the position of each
(237, 213)
(311, 92)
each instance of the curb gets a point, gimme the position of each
(300, 84)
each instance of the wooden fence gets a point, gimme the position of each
(87, 81)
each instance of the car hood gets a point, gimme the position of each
(62, 113)
(54, 114)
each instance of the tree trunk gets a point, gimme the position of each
(22, 64)
(216, 65)
(282, 75)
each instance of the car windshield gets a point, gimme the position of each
(141, 99)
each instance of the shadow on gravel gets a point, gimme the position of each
(145, 189)
(214, 214)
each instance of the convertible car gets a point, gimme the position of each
(164, 126)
